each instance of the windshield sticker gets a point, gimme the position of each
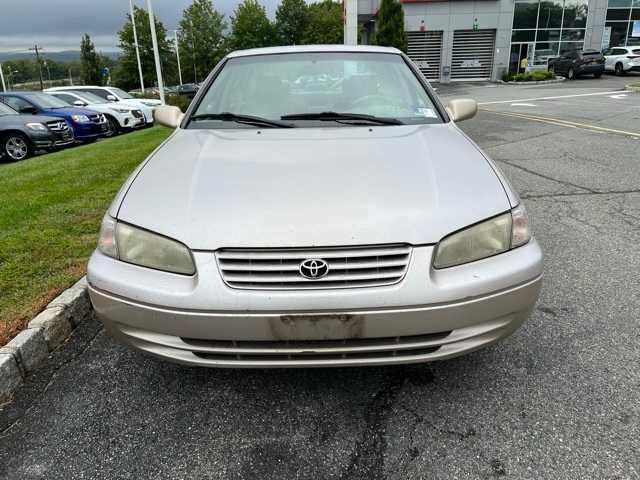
(426, 112)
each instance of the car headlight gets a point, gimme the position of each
(119, 110)
(485, 239)
(148, 104)
(80, 118)
(140, 247)
(40, 127)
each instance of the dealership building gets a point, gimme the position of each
(482, 39)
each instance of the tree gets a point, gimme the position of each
(325, 24)
(390, 26)
(89, 62)
(250, 27)
(292, 18)
(126, 75)
(201, 39)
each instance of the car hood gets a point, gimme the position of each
(68, 111)
(313, 187)
(22, 119)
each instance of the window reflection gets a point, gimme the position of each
(575, 14)
(550, 14)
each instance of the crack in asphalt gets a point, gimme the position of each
(367, 460)
(4, 433)
(578, 194)
(547, 177)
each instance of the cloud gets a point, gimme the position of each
(59, 24)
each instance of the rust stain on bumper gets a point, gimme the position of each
(317, 326)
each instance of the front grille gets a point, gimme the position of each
(96, 118)
(352, 348)
(58, 126)
(279, 269)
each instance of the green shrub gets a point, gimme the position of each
(535, 76)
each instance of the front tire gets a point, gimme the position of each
(597, 75)
(17, 147)
(571, 74)
(619, 69)
(114, 127)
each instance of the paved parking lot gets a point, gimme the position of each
(557, 400)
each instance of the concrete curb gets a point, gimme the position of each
(633, 87)
(45, 333)
(541, 82)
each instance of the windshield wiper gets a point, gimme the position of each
(248, 119)
(337, 117)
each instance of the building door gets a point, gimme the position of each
(425, 49)
(472, 54)
(520, 51)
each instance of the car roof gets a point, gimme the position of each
(313, 49)
(74, 87)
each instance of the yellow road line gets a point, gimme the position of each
(563, 123)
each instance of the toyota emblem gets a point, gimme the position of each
(314, 268)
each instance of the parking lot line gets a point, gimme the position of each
(563, 123)
(552, 98)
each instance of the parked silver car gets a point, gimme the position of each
(340, 222)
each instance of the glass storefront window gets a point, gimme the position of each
(575, 14)
(618, 33)
(566, 47)
(619, 3)
(523, 35)
(614, 14)
(550, 14)
(572, 35)
(525, 15)
(635, 14)
(548, 35)
(545, 51)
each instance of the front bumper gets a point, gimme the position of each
(430, 315)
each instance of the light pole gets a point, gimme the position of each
(10, 78)
(156, 53)
(4, 86)
(175, 36)
(135, 41)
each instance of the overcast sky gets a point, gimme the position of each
(59, 24)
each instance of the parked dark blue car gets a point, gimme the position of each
(87, 125)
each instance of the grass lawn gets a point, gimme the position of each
(50, 211)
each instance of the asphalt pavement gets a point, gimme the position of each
(560, 399)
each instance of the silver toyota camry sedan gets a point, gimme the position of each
(315, 206)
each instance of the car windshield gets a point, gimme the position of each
(5, 110)
(379, 85)
(120, 93)
(44, 100)
(90, 98)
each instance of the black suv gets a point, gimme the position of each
(22, 135)
(574, 63)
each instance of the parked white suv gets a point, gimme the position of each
(121, 117)
(622, 59)
(114, 94)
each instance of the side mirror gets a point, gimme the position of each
(79, 103)
(112, 98)
(168, 116)
(462, 109)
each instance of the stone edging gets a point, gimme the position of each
(540, 82)
(633, 87)
(45, 333)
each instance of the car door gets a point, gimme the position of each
(607, 58)
(562, 63)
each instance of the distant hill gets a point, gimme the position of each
(63, 56)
